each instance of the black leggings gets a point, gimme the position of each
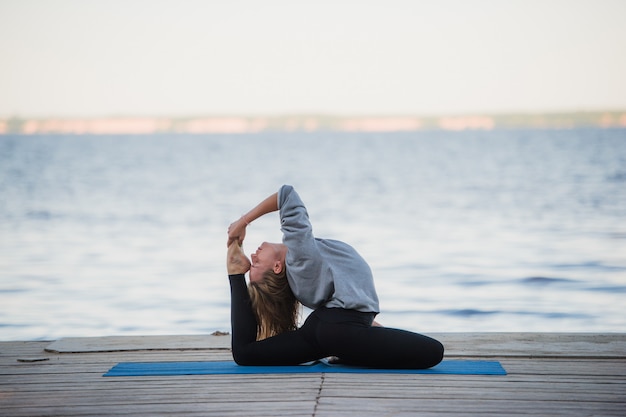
(347, 334)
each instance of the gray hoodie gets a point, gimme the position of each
(322, 272)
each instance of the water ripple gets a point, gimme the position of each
(546, 281)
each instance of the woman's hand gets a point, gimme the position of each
(237, 231)
(236, 260)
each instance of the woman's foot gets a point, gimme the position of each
(236, 260)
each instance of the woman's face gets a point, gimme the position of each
(267, 256)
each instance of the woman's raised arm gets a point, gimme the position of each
(237, 229)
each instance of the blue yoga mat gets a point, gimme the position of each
(454, 367)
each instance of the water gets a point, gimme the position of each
(471, 231)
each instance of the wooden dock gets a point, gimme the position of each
(548, 375)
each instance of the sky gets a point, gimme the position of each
(86, 58)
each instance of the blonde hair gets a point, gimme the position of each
(274, 304)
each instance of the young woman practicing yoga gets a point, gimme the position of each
(329, 277)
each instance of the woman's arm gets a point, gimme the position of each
(237, 229)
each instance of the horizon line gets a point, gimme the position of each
(307, 122)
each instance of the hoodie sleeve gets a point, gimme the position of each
(302, 252)
(309, 275)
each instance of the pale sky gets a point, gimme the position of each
(183, 57)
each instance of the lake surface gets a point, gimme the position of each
(465, 231)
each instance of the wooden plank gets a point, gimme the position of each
(15, 349)
(274, 408)
(132, 343)
(309, 389)
(186, 394)
(28, 382)
(485, 345)
(138, 356)
(534, 345)
(453, 406)
(542, 392)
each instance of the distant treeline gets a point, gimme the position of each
(307, 123)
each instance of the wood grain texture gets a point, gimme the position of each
(548, 374)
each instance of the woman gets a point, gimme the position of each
(329, 277)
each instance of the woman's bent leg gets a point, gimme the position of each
(379, 347)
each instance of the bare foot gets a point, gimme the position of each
(334, 360)
(236, 260)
